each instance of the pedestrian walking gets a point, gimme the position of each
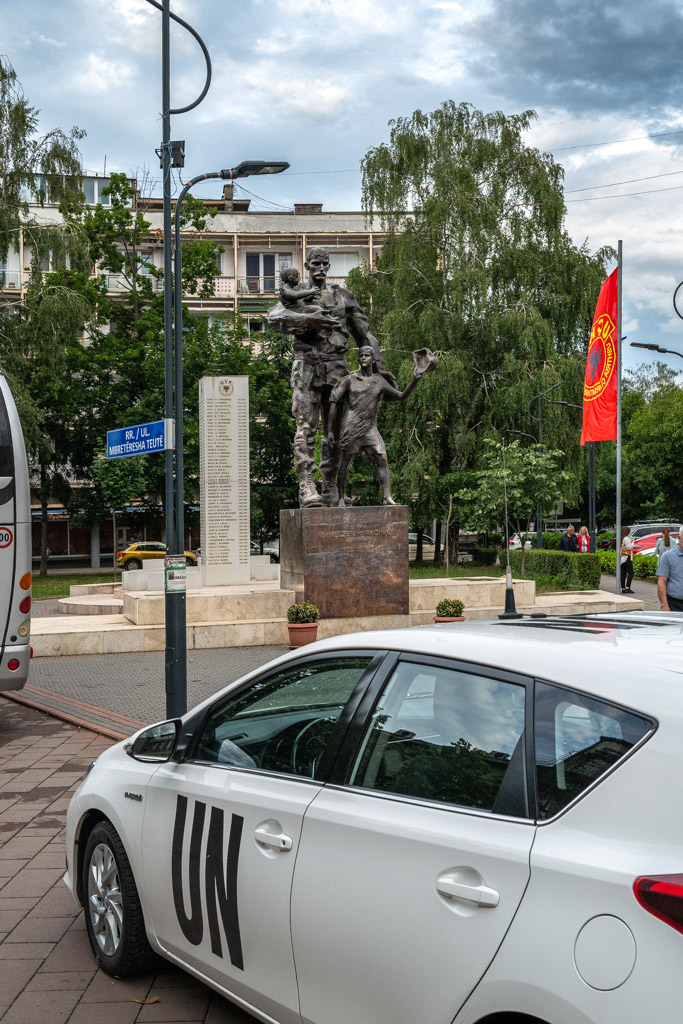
(584, 540)
(568, 541)
(626, 563)
(670, 577)
(664, 543)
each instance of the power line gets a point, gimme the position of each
(623, 195)
(615, 142)
(613, 184)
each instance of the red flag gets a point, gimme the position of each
(600, 382)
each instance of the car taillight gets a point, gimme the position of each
(119, 554)
(13, 664)
(662, 895)
(25, 605)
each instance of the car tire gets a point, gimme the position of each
(113, 915)
(133, 563)
(191, 561)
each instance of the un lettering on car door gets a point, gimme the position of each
(217, 899)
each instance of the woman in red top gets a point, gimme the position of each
(583, 539)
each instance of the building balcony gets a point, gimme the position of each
(11, 280)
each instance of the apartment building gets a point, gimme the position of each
(257, 245)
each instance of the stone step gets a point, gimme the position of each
(91, 604)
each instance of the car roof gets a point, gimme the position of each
(630, 658)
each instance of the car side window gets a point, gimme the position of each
(578, 739)
(446, 735)
(283, 722)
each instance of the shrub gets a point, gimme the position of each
(551, 540)
(645, 566)
(567, 569)
(496, 539)
(449, 608)
(608, 561)
(484, 556)
(304, 611)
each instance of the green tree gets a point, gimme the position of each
(515, 478)
(40, 352)
(479, 268)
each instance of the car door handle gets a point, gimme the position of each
(482, 895)
(278, 842)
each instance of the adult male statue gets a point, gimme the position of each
(321, 341)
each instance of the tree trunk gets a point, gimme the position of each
(437, 543)
(43, 521)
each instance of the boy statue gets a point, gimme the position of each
(357, 397)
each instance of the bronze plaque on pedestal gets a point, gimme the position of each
(350, 562)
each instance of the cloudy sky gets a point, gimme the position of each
(316, 81)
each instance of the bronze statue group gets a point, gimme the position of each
(321, 319)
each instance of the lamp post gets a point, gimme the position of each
(176, 700)
(656, 348)
(539, 508)
(592, 511)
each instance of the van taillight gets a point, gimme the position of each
(662, 895)
(25, 605)
(13, 664)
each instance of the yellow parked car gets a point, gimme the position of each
(136, 555)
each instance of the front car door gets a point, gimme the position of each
(222, 828)
(415, 857)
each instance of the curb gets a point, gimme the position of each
(87, 716)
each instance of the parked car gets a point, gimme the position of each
(515, 542)
(428, 547)
(472, 822)
(639, 531)
(255, 549)
(646, 545)
(135, 555)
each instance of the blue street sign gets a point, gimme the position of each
(139, 440)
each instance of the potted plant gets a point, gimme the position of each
(449, 609)
(302, 623)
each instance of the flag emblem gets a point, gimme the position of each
(602, 357)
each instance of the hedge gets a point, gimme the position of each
(563, 570)
(484, 556)
(551, 540)
(644, 566)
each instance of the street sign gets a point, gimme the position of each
(138, 440)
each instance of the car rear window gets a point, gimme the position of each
(578, 740)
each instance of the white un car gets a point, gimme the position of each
(476, 823)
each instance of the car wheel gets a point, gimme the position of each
(133, 563)
(113, 915)
(191, 561)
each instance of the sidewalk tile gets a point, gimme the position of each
(72, 953)
(105, 989)
(222, 1011)
(42, 1008)
(14, 976)
(106, 1013)
(55, 981)
(40, 929)
(58, 902)
(31, 882)
(25, 950)
(20, 846)
(176, 1004)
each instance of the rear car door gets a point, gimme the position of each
(414, 858)
(221, 829)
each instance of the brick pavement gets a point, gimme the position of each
(47, 972)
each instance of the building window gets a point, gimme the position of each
(262, 270)
(342, 262)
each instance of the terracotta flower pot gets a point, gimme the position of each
(301, 633)
(449, 618)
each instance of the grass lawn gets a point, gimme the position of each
(58, 585)
(427, 570)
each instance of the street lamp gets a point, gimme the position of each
(656, 348)
(243, 170)
(176, 688)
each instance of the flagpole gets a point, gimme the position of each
(619, 334)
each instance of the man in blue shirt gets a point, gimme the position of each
(670, 578)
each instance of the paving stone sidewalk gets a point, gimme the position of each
(47, 972)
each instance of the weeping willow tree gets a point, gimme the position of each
(40, 352)
(478, 267)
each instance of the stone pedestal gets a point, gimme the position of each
(350, 562)
(224, 480)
